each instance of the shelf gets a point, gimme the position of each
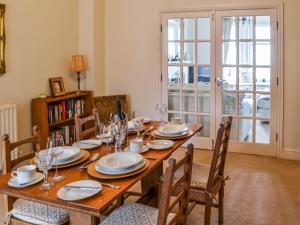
(60, 122)
(67, 96)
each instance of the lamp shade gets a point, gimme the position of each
(77, 63)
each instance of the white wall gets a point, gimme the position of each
(132, 53)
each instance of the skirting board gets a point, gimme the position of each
(289, 153)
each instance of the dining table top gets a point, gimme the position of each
(94, 205)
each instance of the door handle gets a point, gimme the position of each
(220, 81)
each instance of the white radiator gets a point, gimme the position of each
(8, 125)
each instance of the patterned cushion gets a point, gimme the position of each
(200, 173)
(134, 214)
(37, 213)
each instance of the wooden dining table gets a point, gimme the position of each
(88, 211)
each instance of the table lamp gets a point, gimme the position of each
(78, 67)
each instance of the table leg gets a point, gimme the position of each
(79, 218)
(150, 186)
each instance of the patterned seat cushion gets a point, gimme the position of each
(134, 214)
(37, 213)
(200, 173)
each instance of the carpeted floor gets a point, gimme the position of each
(262, 191)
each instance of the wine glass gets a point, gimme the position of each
(44, 162)
(105, 134)
(56, 147)
(162, 111)
(138, 125)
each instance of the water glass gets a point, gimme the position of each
(44, 162)
(56, 147)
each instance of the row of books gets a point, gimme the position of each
(65, 109)
(68, 132)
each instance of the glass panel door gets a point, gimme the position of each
(246, 81)
(188, 61)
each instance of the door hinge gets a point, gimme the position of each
(161, 77)
(276, 137)
(277, 80)
(277, 25)
(161, 28)
(213, 15)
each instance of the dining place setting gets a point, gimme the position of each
(113, 157)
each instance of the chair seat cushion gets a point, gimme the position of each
(37, 213)
(200, 173)
(134, 214)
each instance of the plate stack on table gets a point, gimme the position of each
(172, 131)
(118, 165)
(71, 156)
(87, 144)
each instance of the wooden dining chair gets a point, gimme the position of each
(136, 214)
(25, 212)
(207, 182)
(86, 126)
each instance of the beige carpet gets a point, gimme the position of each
(262, 191)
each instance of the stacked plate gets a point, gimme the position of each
(69, 155)
(120, 163)
(172, 131)
(87, 144)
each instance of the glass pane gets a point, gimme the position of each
(246, 27)
(173, 53)
(189, 29)
(188, 76)
(188, 118)
(263, 27)
(204, 53)
(233, 129)
(263, 79)
(173, 100)
(174, 29)
(229, 53)
(245, 130)
(189, 53)
(204, 77)
(263, 53)
(229, 103)
(188, 101)
(263, 105)
(245, 104)
(229, 75)
(173, 76)
(246, 53)
(203, 28)
(171, 115)
(262, 135)
(203, 101)
(228, 28)
(205, 121)
(246, 79)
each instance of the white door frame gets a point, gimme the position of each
(279, 6)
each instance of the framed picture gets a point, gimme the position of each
(57, 86)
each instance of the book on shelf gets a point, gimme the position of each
(68, 133)
(65, 110)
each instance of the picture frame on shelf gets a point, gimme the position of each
(57, 86)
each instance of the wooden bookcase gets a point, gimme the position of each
(40, 111)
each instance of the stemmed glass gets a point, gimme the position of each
(44, 162)
(56, 147)
(138, 124)
(162, 111)
(105, 134)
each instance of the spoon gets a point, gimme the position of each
(91, 159)
(147, 131)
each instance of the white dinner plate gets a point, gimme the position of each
(37, 178)
(160, 144)
(145, 148)
(120, 172)
(75, 158)
(172, 129)
(119, 161)
(87, 144)
(171, 135)
(68, 153)
(75, 194)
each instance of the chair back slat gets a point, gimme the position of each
(219, 155)
(169, 185)
(92, 122)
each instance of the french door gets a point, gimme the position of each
(220, 64)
